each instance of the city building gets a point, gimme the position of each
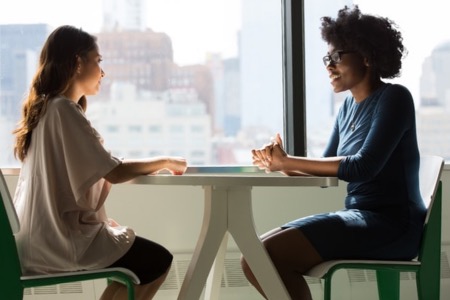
(124, 15)
(143, 58)
(20, 45)
(433, 115)
(137, 123)
(19, 50)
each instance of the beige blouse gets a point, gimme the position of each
(60, 197)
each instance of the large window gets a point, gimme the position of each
(201, 79)
(211, 79)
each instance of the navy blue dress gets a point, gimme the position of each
(384, 212)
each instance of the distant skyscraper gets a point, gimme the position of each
(232, 96)
(428, 93)
(435, 83)
(227, 97)
(433, 116)
(20, 47)
(144, 58)
(119, 15)
(261, 65)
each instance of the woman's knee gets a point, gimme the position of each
(246, 268)
(291, 250)
(167, 256)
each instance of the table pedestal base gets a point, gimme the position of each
(212, 244)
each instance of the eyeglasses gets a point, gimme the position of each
(335, 57)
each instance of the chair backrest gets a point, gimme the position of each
(8, 204)
(431, 191)
(10, 269)
(429, 176)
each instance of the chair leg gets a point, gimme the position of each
(327, 287)
(428, 285)
(12, 293)
(130, 288)
(388, 284)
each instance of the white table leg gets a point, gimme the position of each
(213, 284)
(212, 233)
(242, 228)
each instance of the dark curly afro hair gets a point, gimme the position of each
(375, 38)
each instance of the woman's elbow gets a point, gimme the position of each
(358, 173)
(115, 175)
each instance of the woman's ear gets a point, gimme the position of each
(79, 61)
(366, 62)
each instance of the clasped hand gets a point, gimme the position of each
(271, 156)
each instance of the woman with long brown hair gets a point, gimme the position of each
(67, 173)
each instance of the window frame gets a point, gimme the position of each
(294, 77)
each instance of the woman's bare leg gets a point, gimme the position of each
(293, 255)
(118, 291)
(111, 290)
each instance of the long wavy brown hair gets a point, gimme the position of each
(57, 68)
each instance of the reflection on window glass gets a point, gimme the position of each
(212, 69)
(425, 70)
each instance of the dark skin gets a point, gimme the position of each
(290, 250)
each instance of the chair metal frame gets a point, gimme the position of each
(426, 266)
(12, 283)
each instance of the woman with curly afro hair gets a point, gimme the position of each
(373, 147)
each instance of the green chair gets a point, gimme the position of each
(426, 266)
(12, 283)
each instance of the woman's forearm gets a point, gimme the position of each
(130, 169)
(314, 166)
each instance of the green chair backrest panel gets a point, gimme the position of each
(11, 283)
(10, 270)
(431, 189)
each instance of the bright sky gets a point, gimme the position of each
(423, 24)
(184, 21)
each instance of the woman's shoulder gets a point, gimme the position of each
(63, 105)
(397, 89)
(63, 110)
(396, 97)
(62, 102)
(395, 93)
